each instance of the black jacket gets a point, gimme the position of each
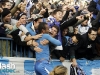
(85, 48)
(16, 38)
(2, 30)
(71, 22)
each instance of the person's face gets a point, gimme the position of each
(65, 31)
(92, 35)
(36, 24)
(23, 19)
(85, 22)
(7, 18)
(58, 16)
(74, 39)
(16, 13)
(8, 5)
(53, 31)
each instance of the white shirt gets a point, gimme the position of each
(83, 29)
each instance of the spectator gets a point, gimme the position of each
(24, 35)
(83, 27)
(7, 4)
(68, 41)
(6, 16)
(5, 19)
(86, 48)
(55, 20)
(32, 26)
(16, 14)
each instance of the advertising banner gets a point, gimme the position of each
(25, 66)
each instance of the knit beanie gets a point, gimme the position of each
(20, 15)
(5, 12)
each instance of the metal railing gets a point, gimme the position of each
(10, 49)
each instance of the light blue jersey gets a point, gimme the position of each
(45, 48)
(43, 67)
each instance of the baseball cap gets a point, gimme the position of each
(37, 16)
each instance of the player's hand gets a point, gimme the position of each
(44, 42)
(37, 36)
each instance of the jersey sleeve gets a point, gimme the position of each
(53, 40)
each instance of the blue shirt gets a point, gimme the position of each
(29, 28)
(45, 48)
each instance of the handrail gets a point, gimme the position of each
(6, 38)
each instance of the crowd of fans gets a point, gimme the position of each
(74, 23)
